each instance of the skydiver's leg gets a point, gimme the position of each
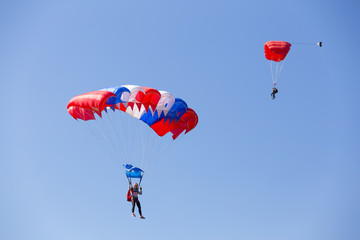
(133, 206)
(139, 207)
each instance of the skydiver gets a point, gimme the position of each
(135, 198)
(275, 91)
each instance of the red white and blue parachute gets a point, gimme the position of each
(160, 110)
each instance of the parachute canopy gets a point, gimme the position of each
(276, 50)
(160, 110)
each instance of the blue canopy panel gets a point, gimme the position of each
(150, 119)
(176, 111)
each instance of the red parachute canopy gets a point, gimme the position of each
(276, 50)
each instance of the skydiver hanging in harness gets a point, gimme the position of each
(133, 192)
(135, 198)
(274, 92)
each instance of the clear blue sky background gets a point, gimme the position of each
(253, 168)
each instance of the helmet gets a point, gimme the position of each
(136, 185)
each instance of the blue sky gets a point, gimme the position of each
(252, 169)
